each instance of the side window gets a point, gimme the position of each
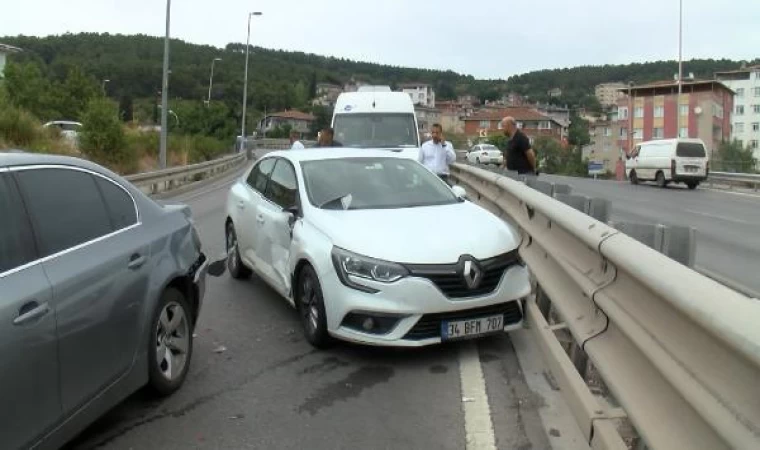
(65, 206)
(16, 241)
(120, 206)
(259, 175)
(282, 188)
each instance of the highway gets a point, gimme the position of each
(727, 223)
(255, 383)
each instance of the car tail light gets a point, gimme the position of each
(672, 168)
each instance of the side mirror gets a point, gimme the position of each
(459, 192)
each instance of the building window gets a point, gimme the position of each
(755, 126)
(623, 113)
(739, 92)
(638, 112)
(683, 132)
(624, 133)
(757, 75)
(500, 126)
(520, 125)
(740, 143)
(485, 124)
(683, 110)
(638, 133)
(739, 110)
(756, 91)
(659, 111)
(607, 131)
(753, 144)
(544, 125)
(658, 133)
(717, 110)
(756, 109)
(739, 127)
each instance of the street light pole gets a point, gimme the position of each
(165, 90)
(104, 86)
(245, 79)
(680, 65)
(211, 80)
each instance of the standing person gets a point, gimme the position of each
(326, 139)
(519, 155)
(295, 144)
(437, 154)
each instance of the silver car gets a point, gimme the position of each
(100, 289)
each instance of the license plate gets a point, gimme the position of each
(458, 329)
(691, 169)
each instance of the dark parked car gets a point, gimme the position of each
(100, 289)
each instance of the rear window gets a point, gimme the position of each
(690, 150)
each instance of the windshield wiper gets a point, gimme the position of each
(336, 200)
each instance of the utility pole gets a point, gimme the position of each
(165, 91)
(680, 65)
(245, 79)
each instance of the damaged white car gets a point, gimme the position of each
(372, 247)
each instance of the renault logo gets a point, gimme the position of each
(472, 273)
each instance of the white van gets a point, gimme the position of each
(669, 161)
(375, 117)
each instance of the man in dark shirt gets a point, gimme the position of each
(326, 139)
(519, 155)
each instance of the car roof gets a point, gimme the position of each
(18, 157)
(317, 154)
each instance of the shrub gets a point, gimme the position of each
(102, 137)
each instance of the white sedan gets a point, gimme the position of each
(372, 247)
(485, 154)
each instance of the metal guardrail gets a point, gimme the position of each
(164, 180)
(679, 351)
(731, 179)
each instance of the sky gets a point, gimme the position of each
(484, 38)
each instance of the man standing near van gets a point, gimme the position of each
(437, 154)
(327, 139)
(295, 143)
(519, 155)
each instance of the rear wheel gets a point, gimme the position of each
(311, 309)
(234, 263)
(170, 344)
(692, 184)
(661, 180)
(633, 177)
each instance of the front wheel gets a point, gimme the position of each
(234, 263)
(311, 309)
(633, 177)
(661, 180)
(170, 344)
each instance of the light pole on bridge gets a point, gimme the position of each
(245, 78)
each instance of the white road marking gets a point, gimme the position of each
(715, 216)
(478, 427)
(743, 194)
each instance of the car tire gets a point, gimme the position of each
(633, 177)
(170, 343)
(660, 178)
(310, 305)
(234, 264)
(692, 185)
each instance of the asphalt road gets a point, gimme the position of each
(255, 382)
(727, 223)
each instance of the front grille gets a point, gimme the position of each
(429, 325)
(449, 278)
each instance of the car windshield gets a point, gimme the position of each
(489, 147)
(373, 183)
(375, 130)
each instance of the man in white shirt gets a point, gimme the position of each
(436, 154)
(295, 144)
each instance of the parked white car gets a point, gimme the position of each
(370, 246)
(669, 161)
(69, 129)
(485, 154)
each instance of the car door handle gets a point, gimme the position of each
(241, 205)
(31, 311)
(136, 261)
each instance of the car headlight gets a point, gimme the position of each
(347, 263)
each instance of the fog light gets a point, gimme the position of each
(368, 324)
(376, 323)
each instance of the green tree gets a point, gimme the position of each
(102, 136)
(126, 108)
(578, 134)
(733, 158)
(27, 88)
(75, 93)
(322, 118)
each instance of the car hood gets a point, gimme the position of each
(422, 235)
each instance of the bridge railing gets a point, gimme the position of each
(679, 352)
(731, 179)
(160, 181)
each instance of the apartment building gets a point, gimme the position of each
(608, 93)
(655, 111)
(745, 124)
(604, 146)
(420, 93)
(487, 122)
